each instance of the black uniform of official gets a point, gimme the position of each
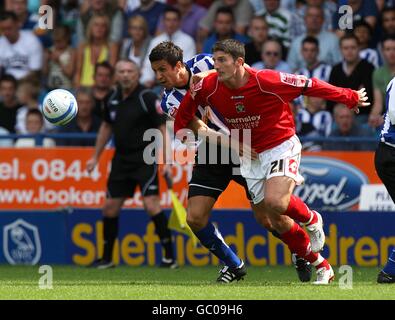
(130, 118)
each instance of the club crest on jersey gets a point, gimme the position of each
(295, 80)
(240, 107)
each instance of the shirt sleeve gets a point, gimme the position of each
(186, 112)
(290, 86)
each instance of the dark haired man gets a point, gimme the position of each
(9, 104)
(271, 176)
(208, 180)
(103, 78)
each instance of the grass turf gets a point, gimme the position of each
(21, 282)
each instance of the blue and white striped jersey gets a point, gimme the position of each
(172, 98)
(321, 120)
(388, 132)
(322, 71)
(371, 55)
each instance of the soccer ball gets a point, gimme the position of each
(59, 107)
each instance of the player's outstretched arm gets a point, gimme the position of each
(351, 98)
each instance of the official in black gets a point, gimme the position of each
(129, 112)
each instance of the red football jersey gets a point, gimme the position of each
(261, 105)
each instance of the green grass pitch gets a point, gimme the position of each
(134, 283)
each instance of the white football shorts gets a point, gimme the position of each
(282, 160)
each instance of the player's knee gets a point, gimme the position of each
(151, 205)
(195, 222)
(264, 221)
(110, 211)
(152, 208)
(281, 223)
(275, 205)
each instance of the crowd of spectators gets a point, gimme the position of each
(306, 37)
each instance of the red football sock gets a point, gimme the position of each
(299, 211)
(298, 242)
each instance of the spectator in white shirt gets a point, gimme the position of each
(172, 23)
(329, 43)
(34, 123)
(21, 52)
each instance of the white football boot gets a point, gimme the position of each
(316, 234)
(324, 275)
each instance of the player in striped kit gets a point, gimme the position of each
(385, 167)
(208, 180)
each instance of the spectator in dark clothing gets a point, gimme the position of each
(353, 72)
(346, 126)
(9, 105)
(387, 22)
(362, 10)
(103, 78)
(224, 28)
(85, 122)
(258, 32)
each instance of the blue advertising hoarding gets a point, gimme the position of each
(355, 238)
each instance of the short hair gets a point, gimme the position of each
(387, 9)
(35, 112)
(230, 46)
(388, 38)
(316, 7)
(32, 88)
(364, 24)
(260, 18)
(127, 60)
(339, 107)
(5, 15)
(84, 91)
(167, 51)
(311, 39)
(106, 65)
(349, 36)
(225, 10)
(174, 10)
(62, 32)
(273, 40)
(9, 78)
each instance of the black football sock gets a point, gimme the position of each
(110, 233)
(160, 221)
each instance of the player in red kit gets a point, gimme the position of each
(258, 101)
